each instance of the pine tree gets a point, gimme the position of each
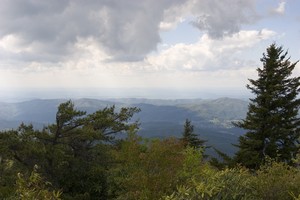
(189, 137)
(272, 123)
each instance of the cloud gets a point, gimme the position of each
(209, 63)
(214, 17)
(125, 29)
(209, 54)
(280, 10)
(223, 18)
(48, 31)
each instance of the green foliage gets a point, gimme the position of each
(276, 180)
(73, 154)
(271, 121)
(7, 179)
(18, 153)
(147, 170)
(34, 187)
(213, 184)
(192, 163)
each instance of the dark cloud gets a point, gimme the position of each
(126, 30)
(223, 18)
(122, 28)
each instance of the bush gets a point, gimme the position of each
(276, 180)
(212, 184)
(34, 187)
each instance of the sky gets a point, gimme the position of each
(140, 48)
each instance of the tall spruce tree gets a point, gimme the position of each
(190, 138)
(272, 121)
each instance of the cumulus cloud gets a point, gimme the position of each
(209, 54)
(48, 31)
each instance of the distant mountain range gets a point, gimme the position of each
(212, 119)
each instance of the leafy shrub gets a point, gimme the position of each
(276, 180)
(212, 184)
(34, 187)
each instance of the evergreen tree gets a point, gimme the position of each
(272, 123)
(189, 137)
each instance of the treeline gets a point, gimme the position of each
(79, 156)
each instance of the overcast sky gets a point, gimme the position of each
(169, 45)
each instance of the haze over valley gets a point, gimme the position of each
(159, 118)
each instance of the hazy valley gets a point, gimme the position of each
(212, 119)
